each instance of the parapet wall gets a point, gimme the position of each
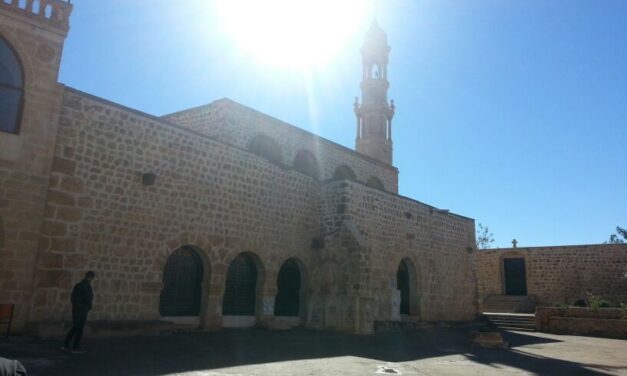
(558, 275)
(236, 124)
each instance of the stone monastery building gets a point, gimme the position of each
(216, 216)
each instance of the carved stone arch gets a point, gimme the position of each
(12, 88)
(292, 287)
(22, 56)
(344, 172)
(306, 163)
(243, 288)
(266, 147)
(410, 299)
(374, 182)
(170, 262)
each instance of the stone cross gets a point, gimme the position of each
(514, 243)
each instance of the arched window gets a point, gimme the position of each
(344, 173)
(267, 148)
(182, 284)
(11, 89)
(306, 163)
(289, 283)
(375, 183)
(241, 287)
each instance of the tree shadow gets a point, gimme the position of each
(204, 351)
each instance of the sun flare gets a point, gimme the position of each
(292, 33)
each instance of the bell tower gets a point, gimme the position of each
(374, 114)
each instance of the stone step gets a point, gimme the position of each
(508, 303)
(512, 321)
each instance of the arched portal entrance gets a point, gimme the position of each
(182, 284)
(288, 298)
(402, 283)
(240, 293)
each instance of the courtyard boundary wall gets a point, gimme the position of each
(558, 275)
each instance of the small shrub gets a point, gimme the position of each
(595, 302)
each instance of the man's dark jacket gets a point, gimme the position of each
(82, 296)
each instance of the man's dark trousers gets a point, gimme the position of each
(79, 317)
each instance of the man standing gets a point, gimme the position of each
(82, 297)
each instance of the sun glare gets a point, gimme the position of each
(292, 33)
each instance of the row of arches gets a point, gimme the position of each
(184, 273)
(304, 161)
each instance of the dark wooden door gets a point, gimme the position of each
(515, 276)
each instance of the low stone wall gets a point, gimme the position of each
(561, 274)
(604, 322)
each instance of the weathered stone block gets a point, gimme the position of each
(63, 166)
(54, 278)
(60, 198)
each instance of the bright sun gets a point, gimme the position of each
(292, 33)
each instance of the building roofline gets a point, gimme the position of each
(160, 120)
(597, 245)
(290, 126)
(405, 198)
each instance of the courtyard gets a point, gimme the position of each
(436, 351)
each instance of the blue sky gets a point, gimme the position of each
(511, 112)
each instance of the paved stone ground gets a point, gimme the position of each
(443, 351)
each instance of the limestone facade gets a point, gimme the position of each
(91, 185)
(26, 158)
(558, 275)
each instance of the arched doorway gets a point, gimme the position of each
(402, 284)
(289, 283)
(240, 293)
(182, 284)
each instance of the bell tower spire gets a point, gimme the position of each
(374, 114)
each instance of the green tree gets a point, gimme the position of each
(484, 237)
(618, 238)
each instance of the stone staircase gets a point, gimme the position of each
(512, 321)
(510, 312)
(508, 304)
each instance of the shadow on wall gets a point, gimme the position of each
(194, 352)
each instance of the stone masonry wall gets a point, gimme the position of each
(218, 198)
(370, 232)
(235, 124)
(437, 245)
(559, 274)
(26, 157)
